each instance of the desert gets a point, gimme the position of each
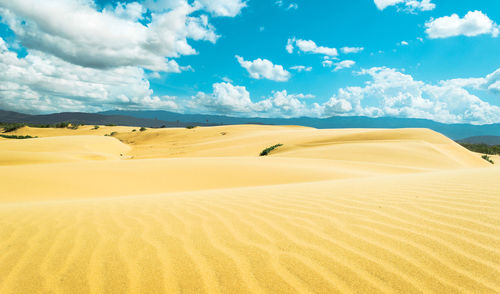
(197, 210)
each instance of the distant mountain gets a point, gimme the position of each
(155, 119)
(88, 119)
(454, 131)
(489, 140)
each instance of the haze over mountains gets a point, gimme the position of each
(171, 119)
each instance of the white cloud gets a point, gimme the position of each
(392, 93)
(347, 50)
(472, 24)
(229, 8)
(310, 46)
(289, 46)
(43, 83)
(109, 38)
(303, 96)
(344, 64)
(300, 68)
(235, 100)
(489, 83)
(406, 5)
(327, 63)
(225, 99)
(403, 43)
(130, 11)
(292, 5)
(387, 93)
(263, 68)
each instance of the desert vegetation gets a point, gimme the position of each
(487, 158)
(483, 148)
(268, 150)
(17, 137)
(10, 127)
(142, 129)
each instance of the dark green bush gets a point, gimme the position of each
(74, 126)
(268, 150)
(62, 125)
(483, 148)
(142, 129)
(95, 127)
(488, 159)
(17, 137)
(190, 127)
(12, 127)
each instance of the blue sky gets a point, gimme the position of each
(410, 58)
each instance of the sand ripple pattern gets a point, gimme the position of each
(419, 233)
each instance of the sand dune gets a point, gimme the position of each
(198, 211)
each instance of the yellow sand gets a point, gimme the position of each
(198, 211)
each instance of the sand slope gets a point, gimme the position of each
(332, 211)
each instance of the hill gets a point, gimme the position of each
(88, 119)
(454, 131)
(488, 140)
(157, 118)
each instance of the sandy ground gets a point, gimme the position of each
(198, 211)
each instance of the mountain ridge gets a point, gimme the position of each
(160, 118)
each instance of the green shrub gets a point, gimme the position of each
(12, 127)
(190, 127)
(488, 159)
(134, 130)
(95, 127)
(483, 148)
(113, 133)
(62, 125)
(142, 129)
(268, 150)
(74, 126)
(17, 137)
(44, 126)
(111, 125)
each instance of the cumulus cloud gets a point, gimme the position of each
(310, 46)
(347, 50)
(75, 31)
(229, 99)
(43, 83)
(229, 8)
(392, 93)
(300, 68)
(225, 99)
(327, 63)
(388, 92)
(344, 64)
(489, 83)
(263, 68)
(406, 5)
(472, 24)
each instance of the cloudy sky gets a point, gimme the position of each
(431, 59)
